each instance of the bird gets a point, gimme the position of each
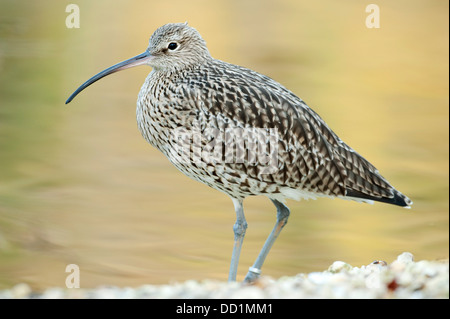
(242, 133)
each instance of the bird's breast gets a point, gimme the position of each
(162, 110)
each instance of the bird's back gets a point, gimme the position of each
(231, 108)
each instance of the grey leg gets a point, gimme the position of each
(282, 217)
(239, 232)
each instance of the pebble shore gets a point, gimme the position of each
(404, 278)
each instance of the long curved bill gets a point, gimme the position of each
(135, 61)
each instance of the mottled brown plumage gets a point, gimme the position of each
(208, 93)
(195, 101)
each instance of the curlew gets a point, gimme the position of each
(242, 133)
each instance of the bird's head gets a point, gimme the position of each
(172, 47)
(176, 46)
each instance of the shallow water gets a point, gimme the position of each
(79, 185)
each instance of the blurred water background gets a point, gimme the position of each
(79, 185)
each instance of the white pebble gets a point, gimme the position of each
(20, 291)
(405, 258)
(339, 266)
(250, 292)
(53, 293)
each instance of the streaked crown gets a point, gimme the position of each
(177, 46)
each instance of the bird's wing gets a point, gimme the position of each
(310, 155)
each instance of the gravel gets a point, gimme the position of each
(403, 278)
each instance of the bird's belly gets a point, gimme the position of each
(237, 180)
(216, 177)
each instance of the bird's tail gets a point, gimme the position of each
(397, 198)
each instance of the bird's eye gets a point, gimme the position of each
(172, 46)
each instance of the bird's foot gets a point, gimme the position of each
(252, 275)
